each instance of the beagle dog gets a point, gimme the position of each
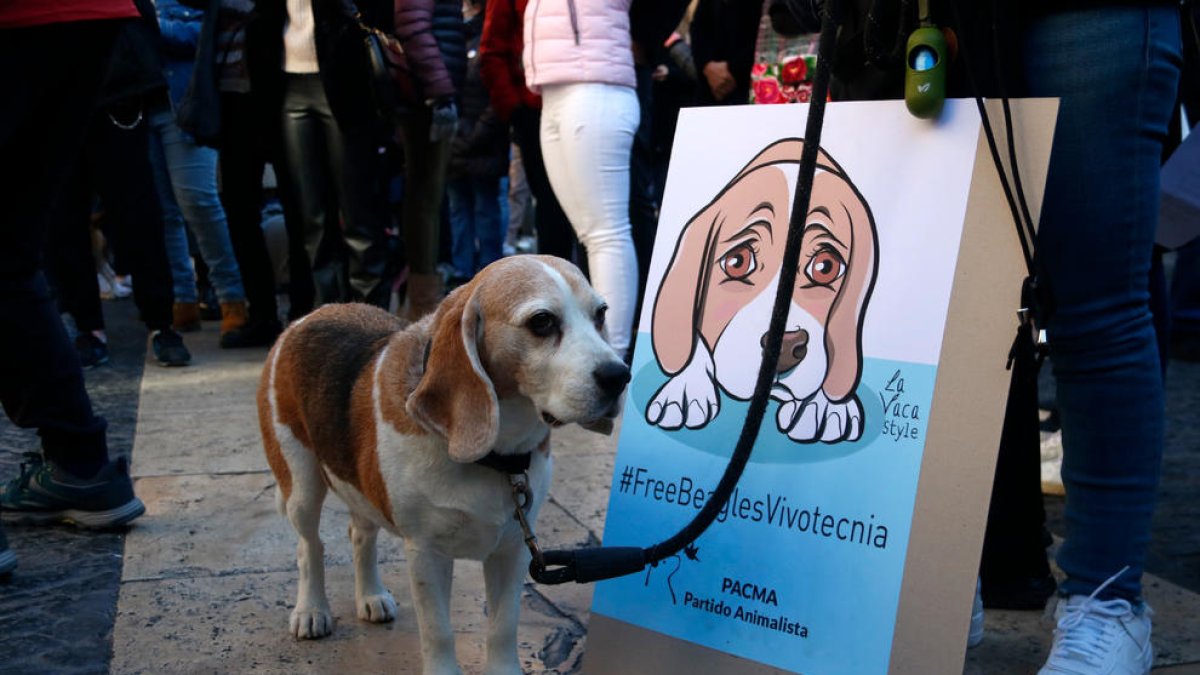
(418, 429)
(715, 301)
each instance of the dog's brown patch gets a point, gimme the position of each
(323, 392)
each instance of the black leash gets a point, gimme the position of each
(595, 564)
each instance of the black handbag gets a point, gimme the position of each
(388, 76)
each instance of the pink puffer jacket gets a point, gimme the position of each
(578, 41)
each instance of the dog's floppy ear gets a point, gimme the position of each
(843, 331)
(455, 397)
(677, 307)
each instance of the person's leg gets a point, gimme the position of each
(306, 164)
(589, 170)
(357, 168)
(489, 227)
(186, 314)
(554, 233)
(643, 208)
(69, 261)
(424, 188)
(120, 170)
(242, 160)
(193, 178)
(462, 226)
(1097, 229)
(48, 96)
(520, 200)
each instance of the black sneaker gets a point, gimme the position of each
(169, 348)
(92, 352)
(45, 494)
(255, 333)
(8, 560)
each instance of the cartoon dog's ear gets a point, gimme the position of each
(843, 331)
(677, 307)
(455, 397)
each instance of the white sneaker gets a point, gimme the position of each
(975, 635)
(1100, 637)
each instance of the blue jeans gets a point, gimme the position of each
(1116, 71)
(475, 217)
(186, 178)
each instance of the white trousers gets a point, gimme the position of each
(587, 134)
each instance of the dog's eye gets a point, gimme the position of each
(825, 267)
(740, 262)
(599, 318)
(542, 324)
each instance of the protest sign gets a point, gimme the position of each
(851, 544)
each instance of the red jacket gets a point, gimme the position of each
(500, 51)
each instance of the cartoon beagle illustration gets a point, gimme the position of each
(714, 303)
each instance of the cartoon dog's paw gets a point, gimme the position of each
(310, 623)
(377, 608)
(684, 401)
(819, 419)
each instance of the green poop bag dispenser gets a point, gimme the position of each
(925, 72)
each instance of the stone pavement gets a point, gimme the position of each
(208, 575)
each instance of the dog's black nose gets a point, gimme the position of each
(612, 377)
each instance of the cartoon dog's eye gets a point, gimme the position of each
(740, 262)
(542, 324)
(598, 319)
(825, 267)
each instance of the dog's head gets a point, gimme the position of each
(526, 328)
(719, 286)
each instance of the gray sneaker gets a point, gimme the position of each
(45, 494)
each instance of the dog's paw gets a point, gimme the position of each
(378, 608)
(310, 623)
(683, 401)
(818, 419)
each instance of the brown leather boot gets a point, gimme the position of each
(233, 316)
(186, 317)
(422, 296)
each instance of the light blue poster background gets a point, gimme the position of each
(804, 567)
(823, 541)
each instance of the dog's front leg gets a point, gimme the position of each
(430, 574)
(503, 574)
(371, 598)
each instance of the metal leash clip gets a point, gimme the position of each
(523, 500)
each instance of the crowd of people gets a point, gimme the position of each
(154, 145)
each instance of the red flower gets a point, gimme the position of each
(804, 95)
(758, 70)
(766, 90)
(795, 70)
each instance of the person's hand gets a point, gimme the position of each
(720, 80)
(660, 73)
(444, 120)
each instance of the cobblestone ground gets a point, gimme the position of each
(57, 612)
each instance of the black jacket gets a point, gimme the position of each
(135, 69)
(480, 148)
(340, 55)
(726, 30)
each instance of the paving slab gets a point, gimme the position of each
(203, 418)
